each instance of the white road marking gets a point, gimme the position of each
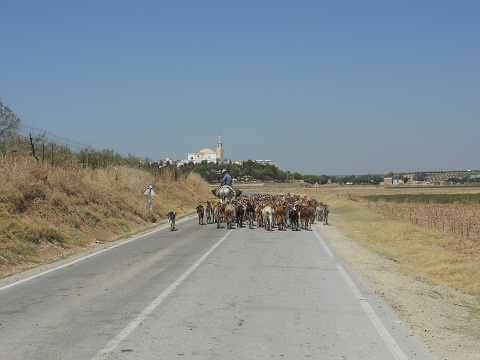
(153, 305)
(377, 323)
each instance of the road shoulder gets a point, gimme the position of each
(440, 317)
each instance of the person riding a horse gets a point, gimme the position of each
(226, 190)
(227, 178)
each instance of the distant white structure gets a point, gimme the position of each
(207, 154)
(219, 152)
(266, 162)
(172, 161)
(211, 156)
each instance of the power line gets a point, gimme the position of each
(49, 136)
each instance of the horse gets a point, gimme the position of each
(225, 193)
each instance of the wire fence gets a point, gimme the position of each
(49, 137)
(49, 148)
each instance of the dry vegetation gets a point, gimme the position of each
(458, 218)
(48, 213)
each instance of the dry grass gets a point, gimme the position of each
(459, 219)
(48, 213)
(422, 250)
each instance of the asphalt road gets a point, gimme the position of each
(203, 293)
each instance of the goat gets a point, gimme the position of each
(171, 219)
(200, 213)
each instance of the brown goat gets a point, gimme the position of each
(200, 213)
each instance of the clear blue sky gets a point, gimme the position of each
(320, 87)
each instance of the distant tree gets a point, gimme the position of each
(376, 179)
(281, 175)
(257, 174)
(297, 175)
(288, 175)
(8, 120)
(350, 179)
(312, 179)
(248, 164)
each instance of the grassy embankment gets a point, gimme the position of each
(50, 213)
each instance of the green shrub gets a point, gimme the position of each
(38, 234)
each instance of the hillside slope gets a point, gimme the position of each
(49, 213)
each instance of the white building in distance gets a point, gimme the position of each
(207, 154)
(267, 162)
(211, 156)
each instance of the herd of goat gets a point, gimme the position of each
(269, 211)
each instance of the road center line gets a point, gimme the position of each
(377, 323)
(153, 305)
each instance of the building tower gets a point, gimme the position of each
(219, 149)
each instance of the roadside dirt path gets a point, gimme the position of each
(440, 316)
